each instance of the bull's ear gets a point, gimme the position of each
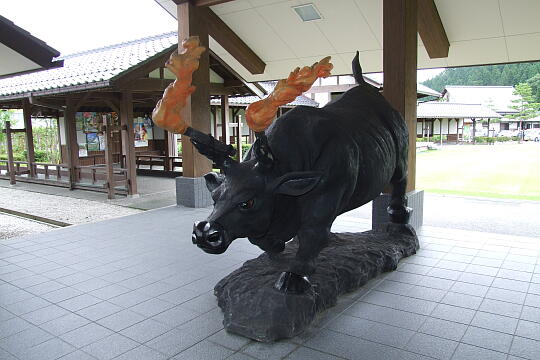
(213, 180)
(297, 183)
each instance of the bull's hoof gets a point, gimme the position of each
(400, 215)
(291, 283)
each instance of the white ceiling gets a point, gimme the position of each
(479, 31)
(13, 62)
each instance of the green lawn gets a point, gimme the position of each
(496, 171)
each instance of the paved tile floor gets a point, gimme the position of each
(136, 288)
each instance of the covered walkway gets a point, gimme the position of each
(134, 288)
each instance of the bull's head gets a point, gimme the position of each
(245, 200)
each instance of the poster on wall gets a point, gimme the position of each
(92, 142)
(142, 128)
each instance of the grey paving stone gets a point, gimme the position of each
(44, 314)
(303, 353)
(242, 356)
(350, 325)
(19, 343)
(501, 308)
(45, 287)
(109, 291)
(99, 310)
(30, 281)
(495, 322)
(64, 324)
(388, 316)
(487, 339)
(121, 320)
(176, 316)
(506, 295)
(469, 352)
(443, 328)
(48, 350)
(130, 299)
(399, 302)
(444, 273)
(453, 313)
(533, 288)
(4, 355)
(532, 300)
(173, 342)
(91, 285)
(75, 278)
(487, 262)
(528, 329)
(62, 294)
(13, 297)
(79, 302)
(13, 326)
(469, 289)
(77, 355)
(86, 335)
(452, 265)
(509, 284)
(514, 275)
(145, 330)
(530, 313)
(432, 346)
(178, 296)
(229, 340)
(462, 300)
(388, 335)
(426, 293)
(269, 351)
(202, 303)
(142, 353)
(110, 347)
(5, 315)
(525, 348)
(205, 350)
(415, 268)
(476, 279)
(151, 307)
(26, 306)
(436, 283)
(481, 270)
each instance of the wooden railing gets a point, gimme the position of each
(98, 175)
(169, 163)
(48, 169)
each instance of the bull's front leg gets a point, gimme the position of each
(311, 241)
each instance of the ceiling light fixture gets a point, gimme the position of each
(307, 12)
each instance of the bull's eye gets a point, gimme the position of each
(246, 204)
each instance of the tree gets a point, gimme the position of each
(525, 105)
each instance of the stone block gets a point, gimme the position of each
(192, 192)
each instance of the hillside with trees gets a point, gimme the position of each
(490, 75)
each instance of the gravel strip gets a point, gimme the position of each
(12, 226)
(65, 209)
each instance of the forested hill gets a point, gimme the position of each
(508, 74)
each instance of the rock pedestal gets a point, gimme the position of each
(254, 309)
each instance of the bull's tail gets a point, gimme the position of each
(357, 69)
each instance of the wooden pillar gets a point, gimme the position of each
(399, 66)
(214, 120)
(71, 141)
(9, 143)
(225, 118)
(30, 157)
(239, 137)
(197, 110)
(473, 131)
(109, 157)
(128, 139)
(167, 151)
(440, 130)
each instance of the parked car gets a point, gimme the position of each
(532, 135)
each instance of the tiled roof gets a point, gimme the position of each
(499, 98)
(89, 69)
(444, 110)
(268, 86)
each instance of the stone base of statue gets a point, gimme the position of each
(254, 309)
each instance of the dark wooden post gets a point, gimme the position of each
(399, 66)
(128, 139)
(9, 142)
(167, 150)
(239, 137)
(30, 157)
(109, 157)
(213, 110)
(71, 141)
(440, 130)
(225, 118)
(197, 110)
(473, 131)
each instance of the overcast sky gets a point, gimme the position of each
(76, 25)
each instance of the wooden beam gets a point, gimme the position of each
(128, 139)
(202, 2)
(148, 84)
(71, 141)
(82, 100)
(109, 158)
(30, 156)
(399, 66)
(114, 107)
(34, 101)
(197, 110)
(225, 119)
(431, 30)
(231, 42)
(9, 143)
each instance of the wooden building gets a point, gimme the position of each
(102, 100)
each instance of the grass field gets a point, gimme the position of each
(496, 171)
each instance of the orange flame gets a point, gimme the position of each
(261, 114)
(167, 113)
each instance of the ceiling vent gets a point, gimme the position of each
(307, 12)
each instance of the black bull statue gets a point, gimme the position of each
(309, 167)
